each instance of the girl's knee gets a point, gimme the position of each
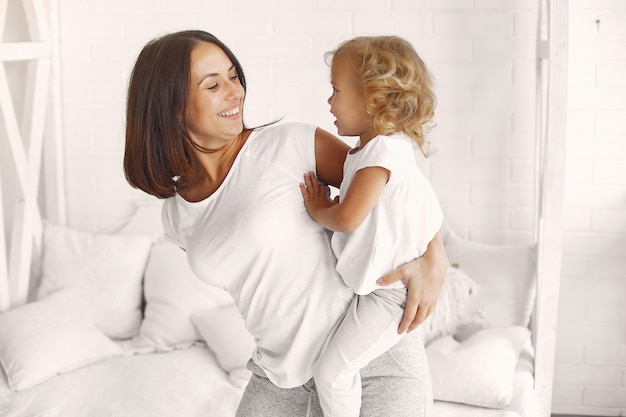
(327, 378)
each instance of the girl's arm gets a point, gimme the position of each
(364, 192)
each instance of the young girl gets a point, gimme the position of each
(383, 94)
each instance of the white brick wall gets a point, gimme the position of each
(590, 375)
(482, 56)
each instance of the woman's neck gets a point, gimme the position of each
(211, 168)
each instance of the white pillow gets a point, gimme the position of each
(505, 276)
(172, 294)
(452, 306)
(43, 339)
(478, 371)
(224, 332)
(107, 269)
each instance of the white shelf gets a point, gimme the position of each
(24, 51)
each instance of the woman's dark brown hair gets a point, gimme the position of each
(157, 142)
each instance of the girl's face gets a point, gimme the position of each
(215, 101)
(347, 103)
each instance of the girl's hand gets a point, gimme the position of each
(424, 278)
(315, 195)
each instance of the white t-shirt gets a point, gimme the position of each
(402, 223)
(254, 238)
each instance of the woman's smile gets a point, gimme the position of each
(230, 113)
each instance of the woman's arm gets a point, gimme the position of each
(330, 154)
(424, 278)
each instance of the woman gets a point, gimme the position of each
(232, 202)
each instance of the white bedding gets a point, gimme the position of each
(524, 402)
(186, 382)
(186, 378)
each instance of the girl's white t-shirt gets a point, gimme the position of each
(402, 223)
(254, 238)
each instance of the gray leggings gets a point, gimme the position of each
(396, 384)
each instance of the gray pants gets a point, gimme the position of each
(395, 384)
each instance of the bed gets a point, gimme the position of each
(153, 341)
(81, 335)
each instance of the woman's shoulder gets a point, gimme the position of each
(283, 136)
(288, 129)
(290, 145)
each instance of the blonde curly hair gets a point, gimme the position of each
(397, 85)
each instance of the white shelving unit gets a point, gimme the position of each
(32, 145)
(552, 46)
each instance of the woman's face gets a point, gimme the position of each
(347, 103)
(215, 102)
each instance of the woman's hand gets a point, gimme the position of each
(424, 278)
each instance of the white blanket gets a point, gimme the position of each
(185, 382)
